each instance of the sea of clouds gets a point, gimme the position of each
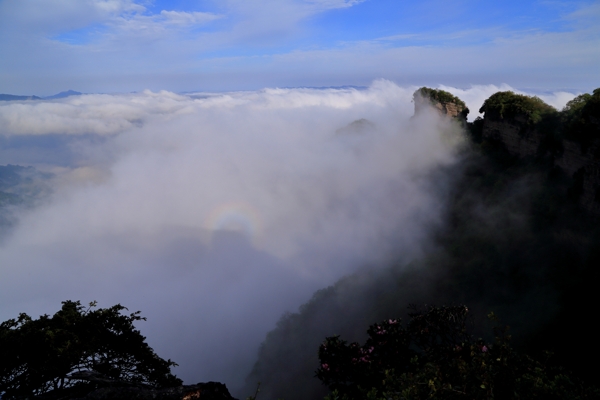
(214, 213)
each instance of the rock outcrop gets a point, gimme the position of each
(445, 103)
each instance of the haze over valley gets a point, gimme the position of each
(224, 167)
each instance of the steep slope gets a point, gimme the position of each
(520, 239)
(570, 141)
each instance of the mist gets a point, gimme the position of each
(215, 213)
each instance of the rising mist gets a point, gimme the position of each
(216, 213)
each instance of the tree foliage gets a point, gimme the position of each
(435, 357)
(440, 96)
(581, 118)
(38, 356)
(509, 105)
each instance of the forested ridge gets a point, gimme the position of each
(516, 241)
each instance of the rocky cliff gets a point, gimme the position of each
(527, 128)
(442, 101)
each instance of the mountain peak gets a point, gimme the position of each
(62, 95)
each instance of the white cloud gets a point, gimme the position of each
(132, 49)
(56, 16)
(477, 94)
(332, 4)
(586, 17)
(558, 99)
(151, 233)
(95, 114)
(148, 215)
(156, 25)
(188, 18)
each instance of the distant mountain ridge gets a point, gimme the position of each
(61, 95)
(12, 97)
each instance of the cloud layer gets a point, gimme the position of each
(214, 214)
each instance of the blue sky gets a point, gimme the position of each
(187, 45)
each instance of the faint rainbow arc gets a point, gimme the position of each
(236, 216)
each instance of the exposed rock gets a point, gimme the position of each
(445, 103)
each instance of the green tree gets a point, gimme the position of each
(509, 105)
(39, 356)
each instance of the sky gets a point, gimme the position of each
(108, 46)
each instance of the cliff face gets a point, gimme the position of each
(525, 134)
(444, 102)
(514, 133)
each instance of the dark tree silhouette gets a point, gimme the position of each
(55, 354)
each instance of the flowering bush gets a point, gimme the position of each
(434, 357)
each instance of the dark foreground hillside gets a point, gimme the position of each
(521, 238)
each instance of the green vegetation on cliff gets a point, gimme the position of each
(440, 96)
(510, 105)
(581, 118)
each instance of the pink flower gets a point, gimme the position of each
(484, 349)
(325, 367)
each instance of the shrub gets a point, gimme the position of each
(434, 357)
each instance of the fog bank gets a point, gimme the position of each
(215, 213)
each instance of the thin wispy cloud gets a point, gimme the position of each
(127, 45)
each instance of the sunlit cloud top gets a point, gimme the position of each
(182, 45)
